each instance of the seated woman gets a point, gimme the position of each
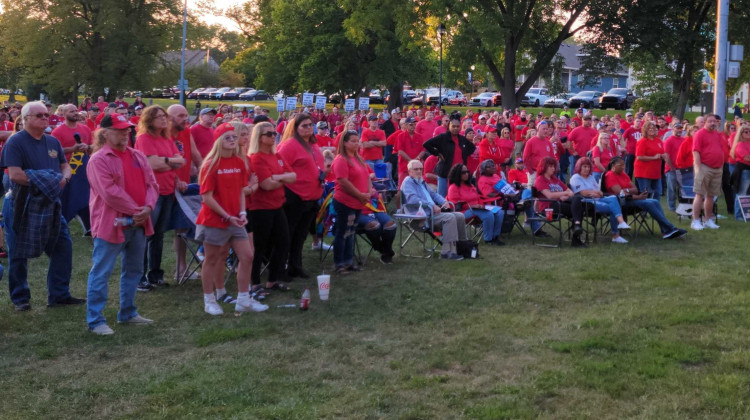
(488, 184)
(566, 202)
(379, 228)
(585, 184)
(451, 224)
(463, 193)
(617, 182)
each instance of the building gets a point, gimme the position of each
(193, 59)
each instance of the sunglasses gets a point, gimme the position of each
(268, 134)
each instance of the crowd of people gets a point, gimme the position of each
(119, 169)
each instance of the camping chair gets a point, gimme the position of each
(190, 203)
(474, 225)
(539, 216)
(417, 227)
(686, 195)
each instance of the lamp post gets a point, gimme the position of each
(182, 86)
(441, 32)
(471, 82)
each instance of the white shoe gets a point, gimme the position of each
(696, 225)
(710, 224)
(139, 320)
(619, 240)
(249, 305)
(213, 308)
(102, 329)
(623, 226)
(323, 245)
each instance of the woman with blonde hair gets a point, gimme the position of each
(649, 153)
(741, 176)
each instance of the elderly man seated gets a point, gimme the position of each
(451, 224)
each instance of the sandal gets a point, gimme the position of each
(279, 286)
(258, 293)
(226, 298)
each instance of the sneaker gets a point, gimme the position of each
(676, 233)
(22, 307)
(721, 216)
(249, 305)
(67, 301)
(159, 283)
(102, 329)
(3, 252)
(623, 226)
(451, 256)
(213, 308)
(200, 256)
(710, 224)
(323, 245)
(144, 286)
(696, 225)
(137, 320)
(578, 243)
(619, 240)
(386, 259)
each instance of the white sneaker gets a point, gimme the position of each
(623, 226)
(619, 240)
(710, 224)
(213, 308)
(696, 225)
(323, 245)
(102, 329)
(137, 320)
(249, 305)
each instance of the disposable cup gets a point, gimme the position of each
(324, 286)
(548, 214)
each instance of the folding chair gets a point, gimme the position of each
(419, 228)
(190, 204)
(473, 224)
(539, 216)
(686, 195)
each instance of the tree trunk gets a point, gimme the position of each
(396, 95)
(509, 100)
(683, 85)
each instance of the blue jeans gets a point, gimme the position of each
(381, 237)
(564, 164)
(629, 165)
(60, 263)
(609, 205)
(442, 186)
(651, 186)
(345, 227)
(492, 223)
(161, 218)
(672, 187)
(653, 207)
(104, 258)
(744, 190)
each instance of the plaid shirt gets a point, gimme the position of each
(37, 225)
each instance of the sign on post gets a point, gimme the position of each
(364, 104)
(291, 103)
(307, 99)
(280, 104)
(349, 105)
(744, 201)
(320, 102)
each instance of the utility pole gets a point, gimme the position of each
(721, 63)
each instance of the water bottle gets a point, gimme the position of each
(123, 221)
(304, 303)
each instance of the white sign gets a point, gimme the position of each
(320, 102)
(349, 105)
(733, 71)
(307, 99)
(291, 103)
(364, 104)
(280, 104)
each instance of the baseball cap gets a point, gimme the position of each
(95, 108)
(121, 106)
(117, 122)
(410, 120)
(223, 128)
(372, 118)
(519, 160)
(492, 129)
(112, 105)
(205, 111)
(677, 125)
(587, 117)
(138, 107)
(322, 125)
(628, 114)
(482, 117)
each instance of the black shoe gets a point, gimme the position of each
(158, 283)
(542, 234)
(144, 286)
(577, 243)
(23, 307)
(386, 259)
(496, 242)
(70, 300)
(297, 273)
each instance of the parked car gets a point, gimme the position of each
(617, 98)
(255, 95)
(433, 97)
(534, 97)
(408, 95)
(457, 98)
(558, 101)
(217, 94)
(206, 94)
(483, 99)
(376, 97)
(234, 94)
(589, 99)
(194, 94)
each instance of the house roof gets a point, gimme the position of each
(193, 58)
(572, 56)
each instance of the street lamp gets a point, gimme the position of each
(471, 81)
(182, 86)
(441, 32)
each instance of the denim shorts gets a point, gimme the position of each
(217, 236)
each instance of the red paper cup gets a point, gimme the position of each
(548, 214)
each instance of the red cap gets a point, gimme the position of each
(118, 122)
(492, 129)
(220, 130)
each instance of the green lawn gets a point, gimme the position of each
(652, 329)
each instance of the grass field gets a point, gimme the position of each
(652, 329)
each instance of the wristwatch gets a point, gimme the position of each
(166, 160)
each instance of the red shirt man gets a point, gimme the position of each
(426, 127)
(203, 133)
(537, 148)
(65, 133)
(580, 138)
(373, 140)
(408, 147)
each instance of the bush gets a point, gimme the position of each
(660, 102)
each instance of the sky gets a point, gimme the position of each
(220, 5)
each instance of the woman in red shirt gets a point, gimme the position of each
(566, 202)
(489, 148)
(602, 154)
(741, 175)
(353, 190)
(270, 228)
(300, 152)
(649, 153)
(221, 222)
(464, 194)
(506, 148)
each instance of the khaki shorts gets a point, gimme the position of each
(708, 181)
(218, 237)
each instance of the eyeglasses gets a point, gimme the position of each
(268, 134)
(41, 116)
(420, 169)
(160, 116)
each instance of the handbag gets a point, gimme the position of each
(467, 249)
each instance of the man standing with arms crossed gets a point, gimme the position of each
(708, 160)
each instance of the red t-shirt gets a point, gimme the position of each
(458, 156)
(102, 105)
(133, 173)
(135, 119)
(429, 168)
(439, 130)
(357, 173)
(411, 145)
(742, 151)
(372, 153)
(650, 169)
(604, 157)
(425, 128)
(518, 175)
(611, 179)
(264, 165)
(64, 135)
(624, 125)
(333, 119)
(535, 150)
(581, 139)
(203, 138)
(709, 145)
(161, 147)
(684, 158)
(672, 147)
(553, 185)
(226, 179)
(506, 148)
(490, 151)
(393, 139)
(184, 171)
(91, 124)
(631, 136)
(307, 186)
(325, 141)
(463, 194)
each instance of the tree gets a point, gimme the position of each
(556, 87)
(505, 34)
